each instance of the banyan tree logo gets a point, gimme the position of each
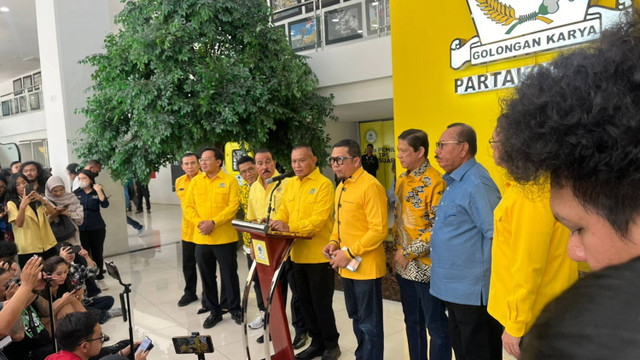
(509, 28)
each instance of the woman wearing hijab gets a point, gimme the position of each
(27, 211)
(67, 203)
(93, 230)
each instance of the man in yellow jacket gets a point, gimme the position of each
(307, 207)
(260, 195)
(191, 167)
(530, 265)
(356, 247)
(210, 204)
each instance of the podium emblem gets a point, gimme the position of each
(260, 251)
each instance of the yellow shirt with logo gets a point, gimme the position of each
(212, 199)
(362, 224)
(259, 198)
(35, 235)
(182, 185)
(530, 265)
(307, 207)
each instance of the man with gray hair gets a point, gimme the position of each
(461, 246)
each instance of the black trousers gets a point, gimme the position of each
(315, 285)
(93, 242)
(189, 267)
(475, 335)
(256, 285)
(207, 257)
(143, 192)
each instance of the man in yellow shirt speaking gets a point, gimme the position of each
(356, 247)
(210, 204)
(307, 207)
(260, 195)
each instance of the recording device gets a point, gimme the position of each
(280, 177)
(112, 270)
(74, 248)
(146, 344)
(194, 344)
(29, 189)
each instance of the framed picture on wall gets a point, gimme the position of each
(15, 106)
(34, 101)
(378, 16)
(27, 83)
(303, 34)
(37, 80)
(343, 24)
(17, 86)
(23, 103)
(277, 5)
(6, 108)
(324, 3)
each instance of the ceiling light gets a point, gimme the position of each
(4, 9)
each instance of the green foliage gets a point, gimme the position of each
(184, 73)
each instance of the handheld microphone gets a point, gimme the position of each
(280, 177)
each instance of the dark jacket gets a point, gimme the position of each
(92, 204)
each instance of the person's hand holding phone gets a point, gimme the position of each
(66, 252)
(26, 198)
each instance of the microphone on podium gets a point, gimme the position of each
(280, 177)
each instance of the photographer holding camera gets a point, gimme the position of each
(18, 317)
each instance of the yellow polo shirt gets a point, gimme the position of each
(362, 224)
(307, 207)
(212, 199)
(35, 235)
(182, 185)
(530, 264)
(259, 198)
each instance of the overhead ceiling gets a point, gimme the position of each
(18, 39)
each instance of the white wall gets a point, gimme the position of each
(68, 31)
(352, 61)
(160, 188)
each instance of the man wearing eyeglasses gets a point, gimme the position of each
(461, 246)
(307, 207)
(355, 246)
(259, 197)
(210, 204)
(80, 336)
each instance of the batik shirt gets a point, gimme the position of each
(417, 196)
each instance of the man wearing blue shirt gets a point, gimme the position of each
(461, 246)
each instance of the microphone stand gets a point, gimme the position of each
(126, 313)
(271, 200)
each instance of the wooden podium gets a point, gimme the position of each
(271, 249)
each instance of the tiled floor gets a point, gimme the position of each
(154, 269)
